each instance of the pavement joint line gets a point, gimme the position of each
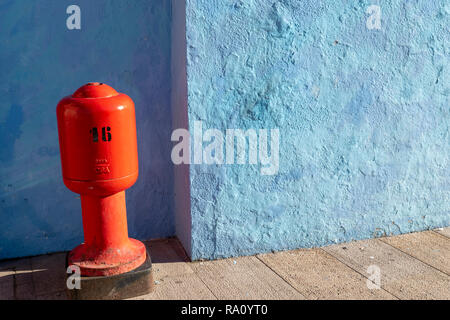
(362, 274)
(14, 284)
(281, 277)
(442, 235)
(33, 286)
(416, 258)
(207, 287)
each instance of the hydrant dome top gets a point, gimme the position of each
(95, 90)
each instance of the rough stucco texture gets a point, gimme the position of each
(125, 44)
(363, 117)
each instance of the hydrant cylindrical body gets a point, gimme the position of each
(97, 136)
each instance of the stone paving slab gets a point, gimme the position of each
(318, 275)
(60, 295)
(168, 258)
(427, 246)
(19, 269)
(6, 275)
(173, 276)
(7, 289)
(243, 278)
(444, 231)
(402, 275)
(49, 273)
(24, 291)
(185, 287)
(16, 281)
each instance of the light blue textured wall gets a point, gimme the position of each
(363, 116)
(124, 43)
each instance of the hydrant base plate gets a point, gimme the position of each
(122, 286)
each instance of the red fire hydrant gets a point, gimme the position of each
(97, 137)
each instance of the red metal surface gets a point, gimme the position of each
(97, 137)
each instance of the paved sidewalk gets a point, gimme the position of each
(412, 266)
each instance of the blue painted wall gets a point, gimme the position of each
(125, 44)
(363, 116)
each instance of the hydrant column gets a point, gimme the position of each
(97, 137)
(104, 220)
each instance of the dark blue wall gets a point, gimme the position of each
(125, 44)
